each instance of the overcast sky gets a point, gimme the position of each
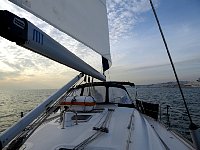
(137, 50)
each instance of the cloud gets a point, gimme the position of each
(162, 72)
(135, 56)
(12, 65)
(18, 58)
(8, 75)
(123, 15)
(183, 63)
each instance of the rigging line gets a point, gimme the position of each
(104, 124)
(130, 128)
(108, 123)
(79, 83)
(28, 131)
(103, 115)
(83, 144)
(172, 64)
(107, 120)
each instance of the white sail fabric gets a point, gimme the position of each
(84, 20)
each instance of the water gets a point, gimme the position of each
(178, 118)
(13, 102)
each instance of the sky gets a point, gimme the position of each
(137, 51)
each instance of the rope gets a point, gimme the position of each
(100, 127)
(172, 64)
(83, 144)
(130, 128)
(101, 118)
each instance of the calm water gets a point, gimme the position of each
(15, 101)
(171, 96)
(12, 102)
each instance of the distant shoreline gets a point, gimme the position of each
(184, 84)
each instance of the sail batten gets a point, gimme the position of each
(85, 21)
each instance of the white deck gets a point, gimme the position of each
(124, 133)
(171, 139)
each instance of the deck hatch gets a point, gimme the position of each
(84, 118)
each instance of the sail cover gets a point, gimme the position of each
(84, 20)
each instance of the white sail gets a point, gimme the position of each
(84, 20)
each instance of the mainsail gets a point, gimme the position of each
(84, 20)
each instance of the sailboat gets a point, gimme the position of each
(90, 116)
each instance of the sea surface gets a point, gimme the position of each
(13, 102)
(178, 118)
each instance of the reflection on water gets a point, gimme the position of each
(13, 102)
